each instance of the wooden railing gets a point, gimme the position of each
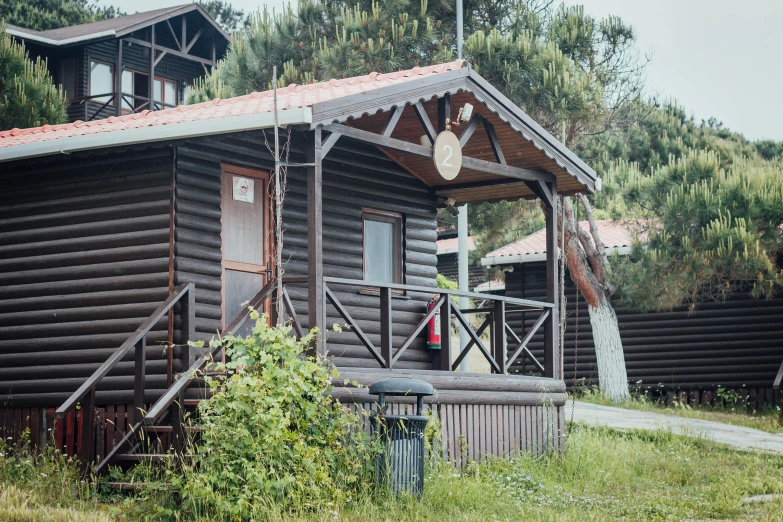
(500, 359)
(85, 395)
(130, 99)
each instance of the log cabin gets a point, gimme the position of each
(685, 354)
(123, 238)
(128, 64)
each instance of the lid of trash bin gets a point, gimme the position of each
(402, 386)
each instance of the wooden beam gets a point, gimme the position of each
(470, 129)
(481, 184)
(174, 52)
(444, 111)
(552, 363)
(160, 57)
(494, 142)
(174, 35)
(380, 141)
(505, 170)
(394, 117)
(425, 121)
(184, 34)
(151, 77)
(541, 189)
(329, 143)
(315, 253)
(193, 41)
(118, 81)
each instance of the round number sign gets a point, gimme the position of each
(447, 154)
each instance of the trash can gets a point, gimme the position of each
(401, 465)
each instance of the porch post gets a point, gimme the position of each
(315, 262)
(151, 85)
(552, 363)
(118, 81)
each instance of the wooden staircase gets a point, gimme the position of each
(161, 433)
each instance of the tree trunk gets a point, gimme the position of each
(587, 272)
(612, 377)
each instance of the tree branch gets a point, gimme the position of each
(601, 257)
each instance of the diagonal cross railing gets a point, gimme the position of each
(494, 322)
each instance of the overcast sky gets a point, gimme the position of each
(718, 58)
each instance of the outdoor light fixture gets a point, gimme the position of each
(451, 207)
(464, 114)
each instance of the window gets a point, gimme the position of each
(382, 241)
(101, 81)
(165, 93)
(68, 78)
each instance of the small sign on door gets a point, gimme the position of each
(243, 189)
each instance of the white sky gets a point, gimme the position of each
(718, 58)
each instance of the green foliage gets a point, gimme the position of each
(43, 15)
(28, 98)
(226, 15)
(446, 283)
(273, 437)
(714, 205)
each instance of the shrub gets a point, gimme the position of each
(28, 98)
(273, 437)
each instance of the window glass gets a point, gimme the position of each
(158, 88)
(170, 96)
(127, 88)
(101, 81)
(378, 251)
(68, 78)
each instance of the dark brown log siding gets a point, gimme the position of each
(84, 255)
(355, 176)
(731, 344)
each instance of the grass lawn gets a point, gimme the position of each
(603, 475)
(767, 420)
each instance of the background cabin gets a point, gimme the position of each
(131, 63)
(682, 353)
(121, 237)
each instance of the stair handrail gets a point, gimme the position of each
(137, 337)
(178, 387)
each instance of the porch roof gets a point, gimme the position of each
(358, 102)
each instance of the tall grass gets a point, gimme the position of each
(602, 475)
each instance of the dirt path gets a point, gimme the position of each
(620, 418)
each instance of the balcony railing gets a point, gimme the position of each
(494, 311)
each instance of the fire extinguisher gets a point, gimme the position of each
(433, 326)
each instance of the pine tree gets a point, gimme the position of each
(28, 98)
(43, 15)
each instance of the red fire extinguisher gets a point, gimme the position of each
(433, 326)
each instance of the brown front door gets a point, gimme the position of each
(246, 236)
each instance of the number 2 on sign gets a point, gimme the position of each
(447, 158)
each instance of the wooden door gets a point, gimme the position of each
(246, 222)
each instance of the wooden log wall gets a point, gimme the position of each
(448, 265)
(84, 260)
(355, 176)
(735, 344)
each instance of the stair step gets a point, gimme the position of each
(124, 486)
(148, 457)
(169, 429)
(192, 402)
